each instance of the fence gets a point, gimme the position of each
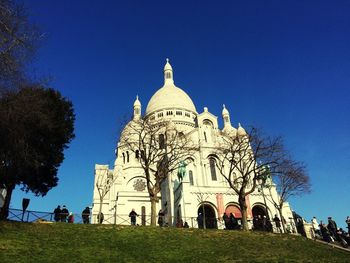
(123, 219)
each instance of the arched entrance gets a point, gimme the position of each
(206, 216)
(260, 220)
(259, 210)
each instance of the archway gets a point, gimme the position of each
(259, 210)
(260, 221)
(206, 217)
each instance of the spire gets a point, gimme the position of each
(168, 73)
(137, 108)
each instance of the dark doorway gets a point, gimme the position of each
(259, 210)
(206, 216)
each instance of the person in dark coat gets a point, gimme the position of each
(100, 218)
(226, 220)
(347, 221)
(64, 214)
(85, 215)
(325, 233)
(133, 216)
(332, 227)
(200, 220)
(233, 224)
(160, 218)
(277, 223)
(57, 214)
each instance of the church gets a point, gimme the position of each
(201, 191)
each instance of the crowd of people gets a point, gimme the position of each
(330, 232)
(63, 215)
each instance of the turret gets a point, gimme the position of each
(137, 109)
(226, 117)
(168, 73)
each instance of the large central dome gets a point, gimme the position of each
(170, 96)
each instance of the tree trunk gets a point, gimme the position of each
(4, 211)
(282, 220)
(99, 211)
(243, 206)
(153, 211)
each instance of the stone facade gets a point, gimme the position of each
(203, 189)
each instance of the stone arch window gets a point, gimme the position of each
(160, 114)
(137, 111)
(137, 154)
(161, 141)
(178, 112)
(190, 177)
(226, 119)
(205, 137)
(169, 113)
(123, 157)
(212, 164)
(127, 156)
(168, 75)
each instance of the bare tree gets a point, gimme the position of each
(291, 179)
(104, 182)
(240, 158)
(18, 42)
(161, 149)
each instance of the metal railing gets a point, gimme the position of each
(123, 220)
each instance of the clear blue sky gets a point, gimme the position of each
(280, 65)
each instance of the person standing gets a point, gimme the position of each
(70, 218)
(226, 220)
(200, 220)
(100, 218)
(133, 216)
(277, 223)
(315, 225)
(86, 215)
(64, 214)
(348, 223)
(160, 218)
(57, 213)
(332, 226)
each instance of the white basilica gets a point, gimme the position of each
(202, 188)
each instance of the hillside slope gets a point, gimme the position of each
(61, 242)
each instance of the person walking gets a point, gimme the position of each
(57, 214)
(85, 215)
(133, 216)
(277, 223)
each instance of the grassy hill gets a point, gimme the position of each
(61, 242)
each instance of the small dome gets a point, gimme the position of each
(241, 131)
(225, 111)
(167, 65)
(231, 131)
(137, 102)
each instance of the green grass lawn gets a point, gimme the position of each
(61, 242)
